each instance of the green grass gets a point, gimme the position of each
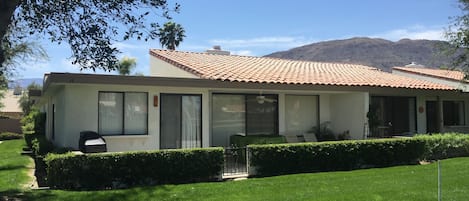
(418, 182)
(13, 166)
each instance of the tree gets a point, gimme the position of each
(3, 88)
(25, 102)
(171, 35)
(89, 27)
(458, 37)
(125, 65)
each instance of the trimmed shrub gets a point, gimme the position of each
(40, 145)
(442, 146)
(331, 156)
(34, 122)
(118, 170)
(242, 141)
(10, 136)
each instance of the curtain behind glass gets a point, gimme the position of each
(301, 113)
(191, 122)
(110, 113)
(228, 118)
(135, 113)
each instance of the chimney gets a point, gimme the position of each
(216, 49)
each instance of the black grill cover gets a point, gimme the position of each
(91, 142)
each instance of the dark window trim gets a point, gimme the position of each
(463, 111)
(415, 106)
(180, 111)
(53, 122)
(123, 111)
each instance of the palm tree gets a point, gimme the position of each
(125, 65)
(171, 35)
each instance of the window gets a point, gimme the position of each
(453, 113)
(123, 113)
(181, 121)
(243, 114)
(301, 113)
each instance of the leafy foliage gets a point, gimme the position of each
(347, 155)
(171, 35)
(89, 27)
(117, 170)
(25, 102)
(242, 141)
(10, 136)
(458, 36)
(125, 65)
(331, 156)
(442, 146)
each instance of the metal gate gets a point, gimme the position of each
(236, 162)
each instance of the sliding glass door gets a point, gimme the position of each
(181, 121)
(243, 114)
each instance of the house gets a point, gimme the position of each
(201, 99)
(453, 109)
(10, 113)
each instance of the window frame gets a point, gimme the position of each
(452, 108)
(123, 112)
(180, 95)
(276, 122)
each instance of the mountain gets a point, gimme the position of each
(23, 83)
(375, 52)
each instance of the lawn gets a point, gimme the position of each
(13, 167)
(418, 182)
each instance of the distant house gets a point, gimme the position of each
(442, 113)
(11, 112)
(201, 99)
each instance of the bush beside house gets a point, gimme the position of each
(242, 141)
(118, 170)
(330, 156)
(10, 136)
(347, 155)
(442, 146)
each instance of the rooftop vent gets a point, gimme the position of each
(216, 49)
(415, 65)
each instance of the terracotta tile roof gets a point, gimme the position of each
(281, 71)
(438, 73)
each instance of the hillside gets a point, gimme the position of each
(375, 52)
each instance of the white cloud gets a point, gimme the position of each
(414, 32)
(269, 41)
(242, 53)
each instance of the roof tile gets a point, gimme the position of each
(439, 73)
(273, 70)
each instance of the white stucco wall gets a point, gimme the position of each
(348, 113)
(80, 113)
(77, 110)
(160, 68)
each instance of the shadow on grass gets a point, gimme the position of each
(137, 193)
(12, 167)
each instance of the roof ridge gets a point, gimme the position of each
(264, 57)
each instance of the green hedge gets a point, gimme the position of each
(10, 136)
(441, 146)
(242, 141)
(40, 146)
(118, 170)
(331, 156)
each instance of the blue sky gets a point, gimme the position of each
(260, 27)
